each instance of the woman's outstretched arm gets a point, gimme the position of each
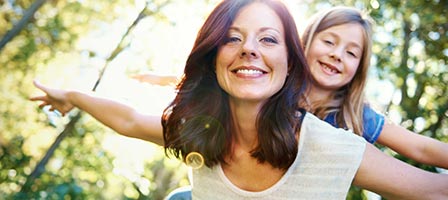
(120, 117)
(394, 179)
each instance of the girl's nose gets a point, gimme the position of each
(336, 54)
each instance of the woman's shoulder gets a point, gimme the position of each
(316, 128)
(322, 143)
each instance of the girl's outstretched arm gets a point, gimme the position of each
(418, 147)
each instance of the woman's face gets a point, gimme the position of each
(253, 63)
(335, 54)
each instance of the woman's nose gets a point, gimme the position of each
(249, 49)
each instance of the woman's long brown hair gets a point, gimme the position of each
(199, 119)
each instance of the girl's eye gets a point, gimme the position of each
(328, 42)
(352, 54)
(269, 40)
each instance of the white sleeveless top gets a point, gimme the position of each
(324, 168)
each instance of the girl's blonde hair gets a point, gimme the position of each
(348, 102)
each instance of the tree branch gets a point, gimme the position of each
(19, 26)
(40, 167)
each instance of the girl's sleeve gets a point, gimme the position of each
(373, 124)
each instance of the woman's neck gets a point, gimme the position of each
(244, 115)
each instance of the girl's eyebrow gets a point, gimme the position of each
(353, 43)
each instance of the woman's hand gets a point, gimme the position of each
(57, 99)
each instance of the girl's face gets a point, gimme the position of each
(253, 63)
(335, 54)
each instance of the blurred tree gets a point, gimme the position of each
(20, 24)
(73, 171)
(415, 61)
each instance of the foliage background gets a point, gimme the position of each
(70, 43)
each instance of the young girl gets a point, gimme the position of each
(338, 45)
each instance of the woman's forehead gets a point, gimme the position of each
(258, 15)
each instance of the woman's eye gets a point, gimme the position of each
(232, 39)
(269, 40)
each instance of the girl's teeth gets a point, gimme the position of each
(328, 68)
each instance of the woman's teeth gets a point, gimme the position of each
(249, 71)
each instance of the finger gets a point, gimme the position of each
(39, 85)
(58, 112)
(43, 105)
(38, 98)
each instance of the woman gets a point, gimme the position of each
(338, 45)
(255, 140)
